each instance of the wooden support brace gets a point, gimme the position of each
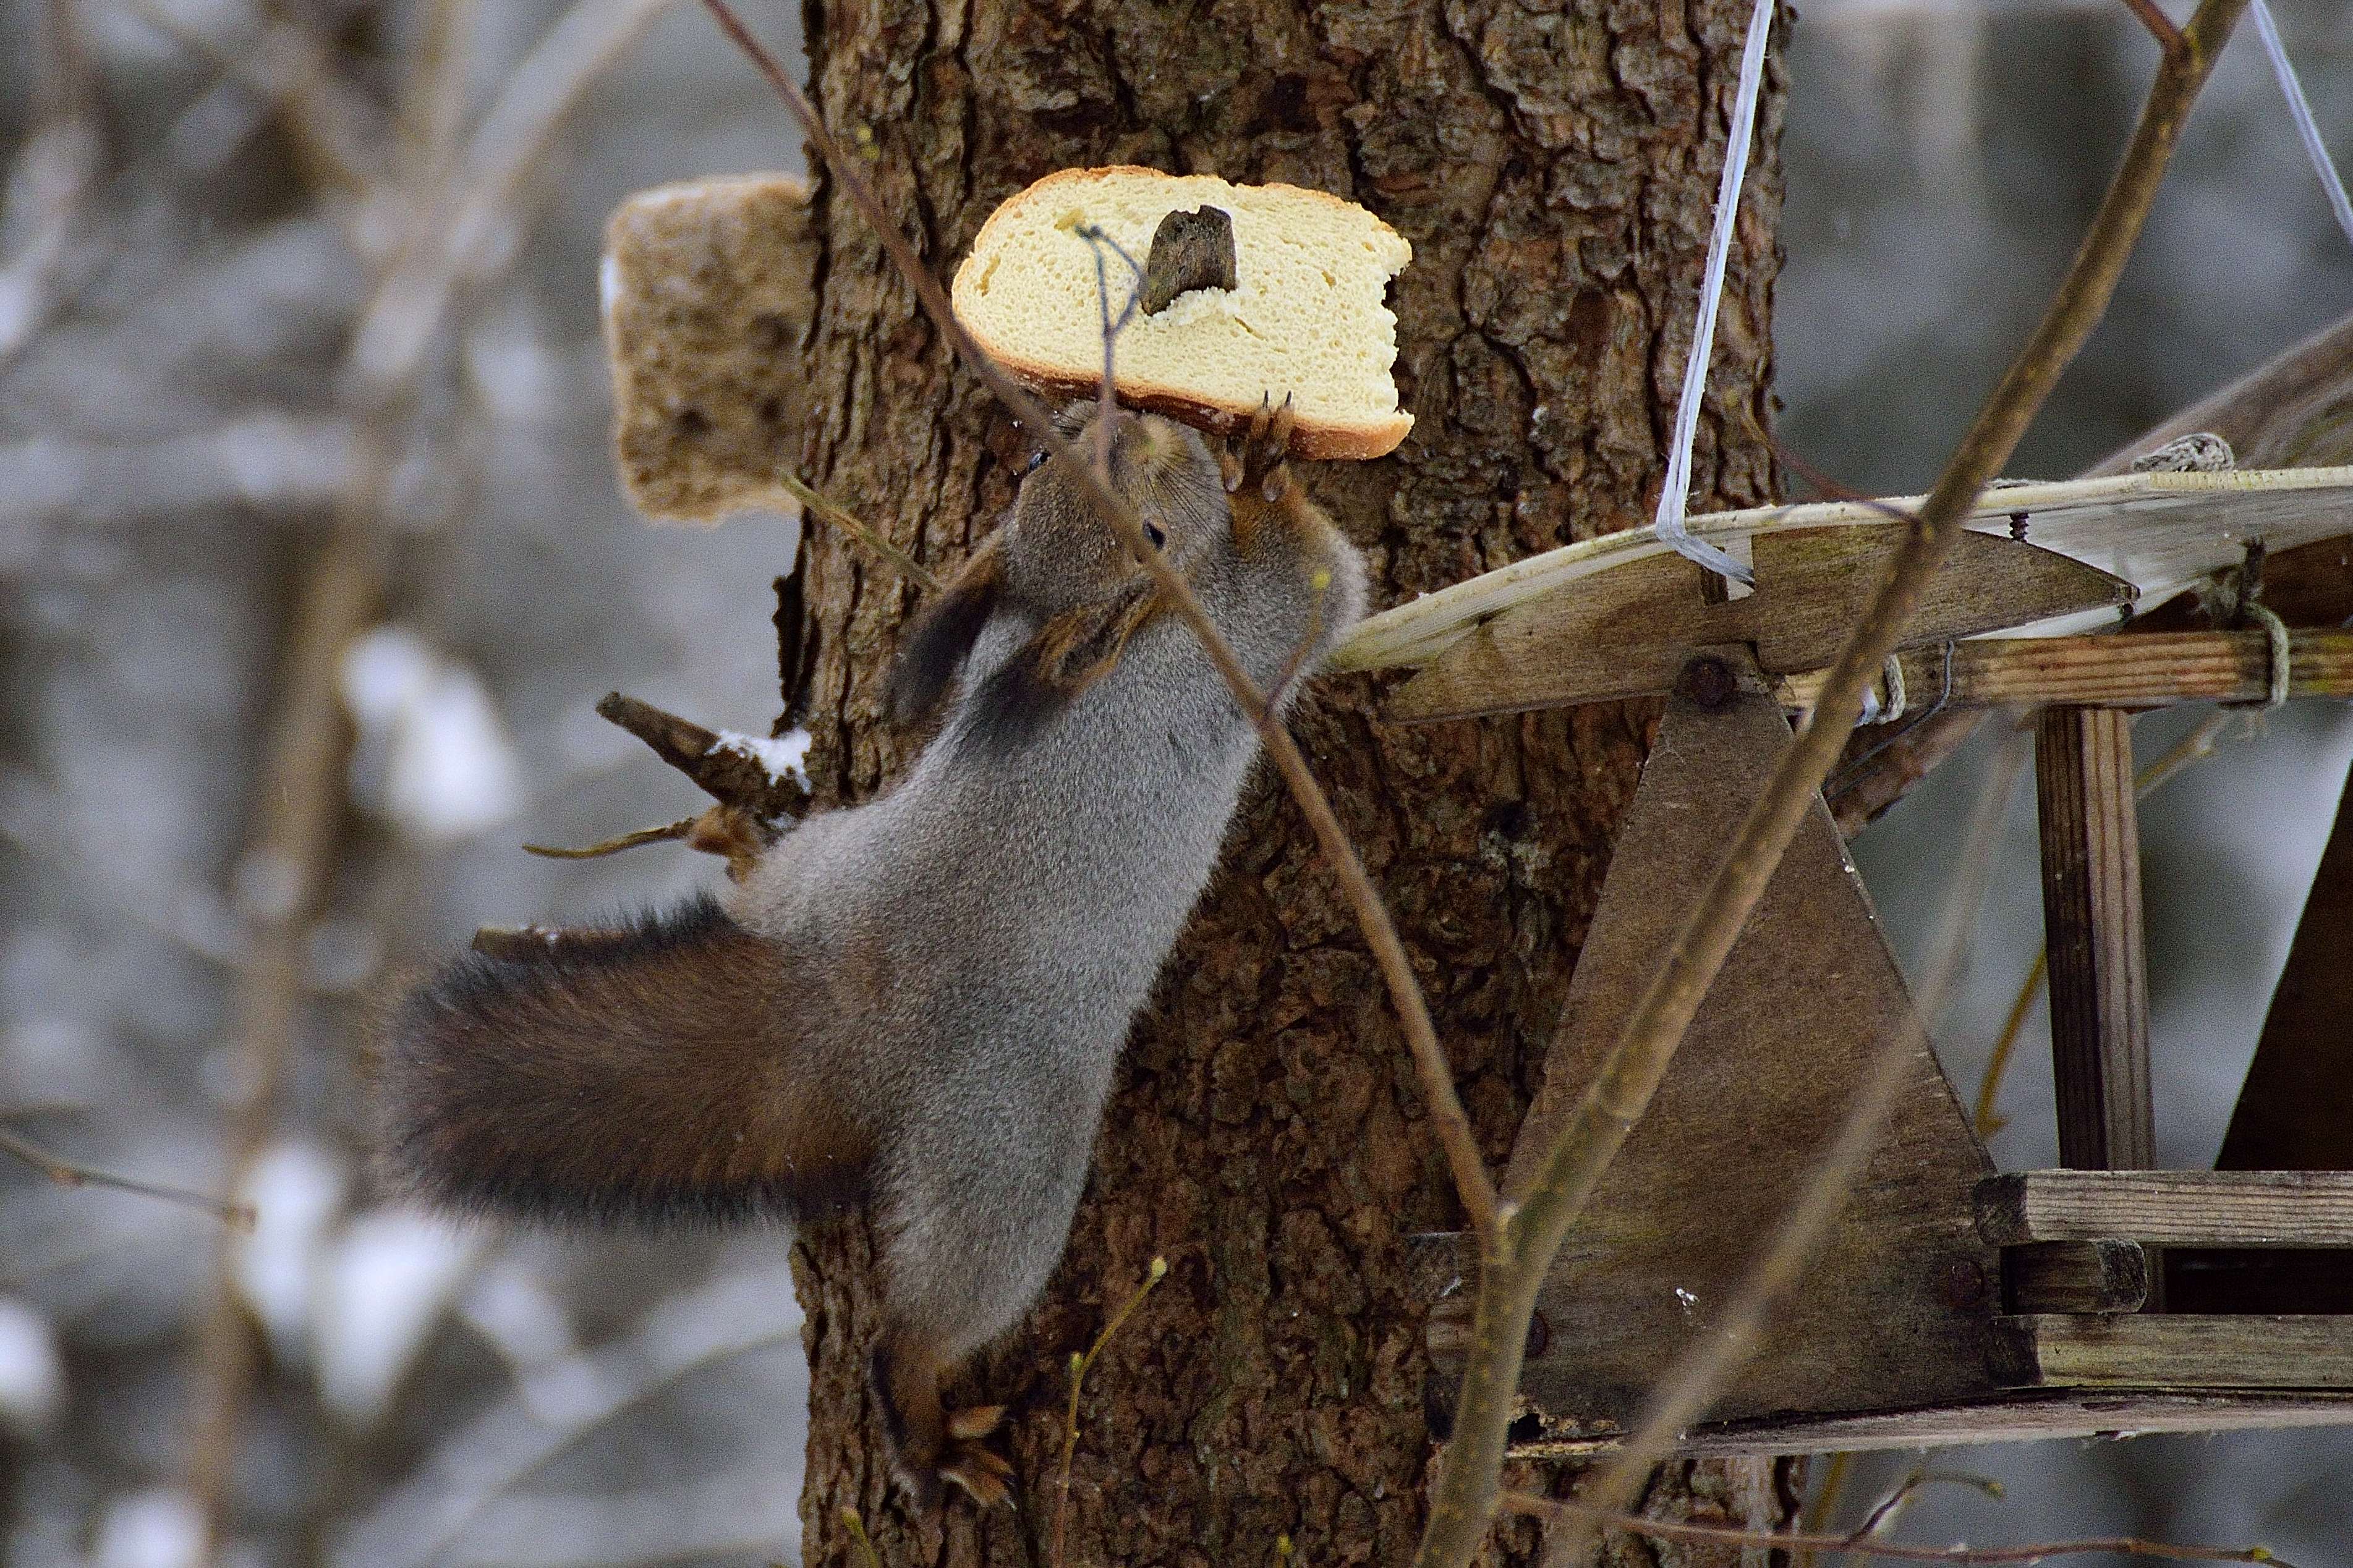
(2138, 670)
(2181, 1208)
(2105, 1276)
(2092, 927)
(2142, 1349)
(2295, 1111)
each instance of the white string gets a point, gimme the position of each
(2300, 108)
(1676, 496)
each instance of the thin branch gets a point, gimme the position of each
(285, 68)
(1463, 1496)
(1471, 1180)
(2160, 25)
(668, 833)
(827, 510)
(1080, 1363)
(67, 1173)
(448, 234)
(1556, 1510)
(1884, 1513)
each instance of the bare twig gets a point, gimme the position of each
(1557, 1510)
(867, 1555)
(324, 119)
(300, 796)
(668, 833)
(815, 502)
(1884, 1511)
(55, 169)
(449, 233)
(1471, 1180)
(1463, 1495)
(1080, 1362)
(2160, 25)
(67, 1173)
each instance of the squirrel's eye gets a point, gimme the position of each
(1159, 540)
(1036, 457)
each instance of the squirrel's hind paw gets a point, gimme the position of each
(981, 1472)
(1256, 457)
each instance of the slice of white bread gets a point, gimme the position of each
(1306, 318)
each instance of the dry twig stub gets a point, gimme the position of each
(1189, 250)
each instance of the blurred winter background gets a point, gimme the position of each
(208, 388)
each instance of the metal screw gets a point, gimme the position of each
(1965, 1284)
(1708, 681)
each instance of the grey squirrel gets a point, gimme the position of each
(914, 1005)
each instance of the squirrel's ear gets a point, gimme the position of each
(1069, 654)
(936, 644)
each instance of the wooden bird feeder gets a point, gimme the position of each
(1949, 1303)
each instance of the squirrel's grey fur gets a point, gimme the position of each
(915, 1004)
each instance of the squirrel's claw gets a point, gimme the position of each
(983, 1474)
(1257, 456)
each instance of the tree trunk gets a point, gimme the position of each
(1555, 172)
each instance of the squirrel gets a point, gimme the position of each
(914, 1005)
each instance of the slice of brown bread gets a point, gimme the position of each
(1305, 319)
(706, 289)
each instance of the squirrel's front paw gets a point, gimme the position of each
(1256, 455)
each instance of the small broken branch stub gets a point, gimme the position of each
(1189, 250)
(729, 774)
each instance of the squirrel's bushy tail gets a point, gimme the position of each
(642, 1075)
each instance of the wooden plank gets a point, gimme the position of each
(2104, 1276)
(2161, 532)
(1812, 587)
(2136, 670)
(2173, 1350)
(2295, 1111)
(2092, 930)
(1894, 1308)
(1626, 633)
(2171, 1208)
(2018, 1415)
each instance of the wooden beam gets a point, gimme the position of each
(2092, 929)
(2130, 671)
(2105, 1276)
(2144, 1350)
(2295, 1111)
(2184, 1209)
(1628, 632)
(2018, 1415)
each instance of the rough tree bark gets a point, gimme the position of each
(1554, 170)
